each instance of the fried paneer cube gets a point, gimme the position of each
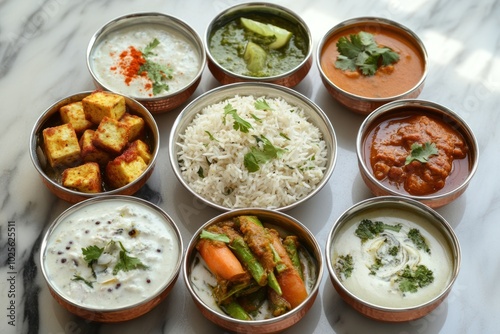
(73, 113)
(111, 136)
(124, 169)
(135, 124)
(103, 104)
(61, 145)
(91, 153)
(141, 149)
(85, 178)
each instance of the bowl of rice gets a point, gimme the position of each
(258, 145)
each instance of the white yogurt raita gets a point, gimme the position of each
(380, 286)
(144, 234)
(114, 62)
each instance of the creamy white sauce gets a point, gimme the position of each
(155, 244)
(381, 288)
(174, 51)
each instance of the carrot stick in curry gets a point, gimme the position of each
(220, 259)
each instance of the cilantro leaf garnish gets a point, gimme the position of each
(157, 73)
(92, 253)
(80, 278)
(258, 156)
(261, 104)
(421, 153)
(239, 123)
(413, 278)
(126, 262)
(361, 52)
(201, 173)
(418, 240)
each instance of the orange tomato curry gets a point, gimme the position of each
(389, 143)
(388, 81)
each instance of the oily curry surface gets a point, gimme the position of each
(388, 81)
(389, 143)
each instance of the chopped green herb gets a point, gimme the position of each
(361, 52)
(80, 278)
(214, 236)
(256, 118)
(416, 237)
(375, 266)
(157, 73)
(344, 266)
(261, 104)
(211, 136)
(91, 254)
(412, 279)
(394, 250)
(284, 136)
(258, 156)
(200, 172)
(421, 153)
(126, 262)
(368, 229)
(239, 123)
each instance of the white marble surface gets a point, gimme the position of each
(42, 59)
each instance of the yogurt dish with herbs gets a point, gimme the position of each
(111, 254)
(145, 61)
(392, 258)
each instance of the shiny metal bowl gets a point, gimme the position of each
(163, 102)
(50, 117)
(394, 110)
(362, 104)
(285, 225)
(312, 111)
(288, 79)
(393, 207)
(104, 312)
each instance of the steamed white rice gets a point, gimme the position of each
(214, 167)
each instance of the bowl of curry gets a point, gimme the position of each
(368, 61)
(258, 42)
(417, 149)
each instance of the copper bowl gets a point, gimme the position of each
(284, 224)
(356, 101)
(173, 26)
(312, 112)
(463, 169)
(52, 180)
(164, 241)
(291, 77)
(376, 303)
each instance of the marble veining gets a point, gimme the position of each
(42, 59)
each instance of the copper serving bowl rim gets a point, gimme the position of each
(232, 12)
(243, 88)
(424, 105)
(121, 198)
(54, 108)
(265, 325)
(403, 204)
(130, 20)
(380, 21)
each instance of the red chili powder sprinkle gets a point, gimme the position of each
(129, 63)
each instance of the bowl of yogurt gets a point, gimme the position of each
(112, 258)
(155, 58)
(392, 258)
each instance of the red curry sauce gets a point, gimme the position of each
(388, 81)
(389, 143)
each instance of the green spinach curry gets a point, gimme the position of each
(258, 45)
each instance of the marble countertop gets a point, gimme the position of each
(42, 59)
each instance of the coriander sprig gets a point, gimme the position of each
(361, 52)
(157, 73)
